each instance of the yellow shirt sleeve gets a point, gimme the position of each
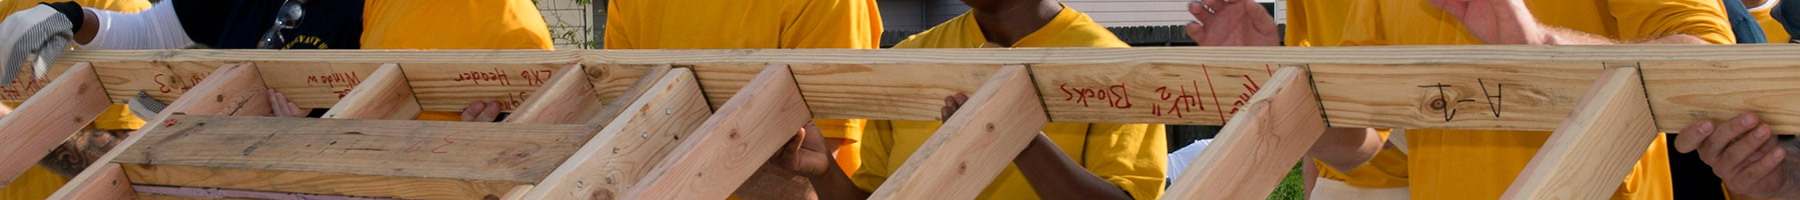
(1650, 19)
(1363, 26)
(1133, 156)
(1316, 22)
(1771, 29)
(36, 183)
(453, 24)
(876, 145)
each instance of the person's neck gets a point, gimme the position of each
(1753, 3)
(1008, 24)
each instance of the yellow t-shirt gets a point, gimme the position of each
(453, 24)
(1771, 29)
(40, 183)
(1463, 164)
(1316, 22)
(36, 183)
(1321, 23)
(1132, 156)
(765, 24)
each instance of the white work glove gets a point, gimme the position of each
(40, 30)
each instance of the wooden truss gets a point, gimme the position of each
(697, 124)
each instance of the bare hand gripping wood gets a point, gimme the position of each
(974, 145)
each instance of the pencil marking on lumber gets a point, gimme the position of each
(535, 77)
(23, 87)
(177, 82)
(478, 76)
(1250, 87)
(1115, 96)
(332, 80)
(1214, 91)
(1184, 102)
(1495, 102)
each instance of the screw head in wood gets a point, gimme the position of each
(615, 150)
(668, 111)
(579, 184)
(645, 135)
(609, 180)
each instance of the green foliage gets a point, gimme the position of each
(1291, 187)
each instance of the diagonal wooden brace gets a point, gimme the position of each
(48, 118)
(1595, 148)
(975, 144)
(233, 89)
(663, 114)
(732, 143)
(1259, 145)
(384, 95)
(567, 98)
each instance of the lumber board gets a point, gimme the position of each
(1700, 81)
(57, 111)
(237, 89)
(99, 178)
(1684, 92)
(517, 193)
(1258, 146)
(853, 91)
(975, 144)
(1596, 147)
(729, 146)
(234, 89)
(384, 95)
(316, 84)
(567, 98)
(664, 112)
(612, 81)
(617, 106)
(370, 158)
(26, 84)
(110, 184)
(452, 86)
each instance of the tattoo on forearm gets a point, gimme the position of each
(81, 150)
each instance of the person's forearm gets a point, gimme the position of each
(834, 185)
(1055, 176)
(1563, 36)
(1346, 148)
(90, 26)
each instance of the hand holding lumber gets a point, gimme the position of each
(283, 107)
(1745, 154)
(805, 154)
(1231, 23)
(481, 111)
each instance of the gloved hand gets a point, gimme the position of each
(40, 30)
